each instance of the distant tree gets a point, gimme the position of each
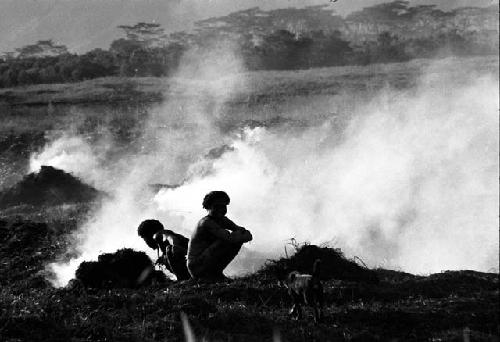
(145, 34)
(329, 49)
(395, 10)
(172, 55)
(7, 56)
(106, 59)
(23, 78)
(41, 48)
(181, 38)
(9, 77)
(85, 68)
(255, 21)
(421, 47)
(278, 50)
(48, 75)
(33, 75)
(77, 74)
(138, 61)
(147, 50)
(387, 48)
(123, 48)
(4, 67)
(454, 42)
(66, 65)
(285, 50)
(290, 38)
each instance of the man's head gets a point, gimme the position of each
(147, 229)
(216, 203)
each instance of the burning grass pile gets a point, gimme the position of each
(125, 268)
(47, 187)
(334, 265)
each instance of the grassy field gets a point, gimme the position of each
(305, 97)
(259, 85)
(253, 95)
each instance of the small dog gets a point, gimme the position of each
(306, 289)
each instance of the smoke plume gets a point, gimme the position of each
(175, 135)
(410, 183)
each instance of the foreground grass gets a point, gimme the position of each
(400, 307)
(245, 310)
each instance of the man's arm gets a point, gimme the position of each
(221, 232)
(241, 233)
(230, 225)
(161, 239)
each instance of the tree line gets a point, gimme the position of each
(146, 50)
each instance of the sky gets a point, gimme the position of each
(86, 24)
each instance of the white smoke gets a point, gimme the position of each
(411, 183)
(176, 134)
(70, 153)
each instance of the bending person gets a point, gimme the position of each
(216, 239)
(173, 247)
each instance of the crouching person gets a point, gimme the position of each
(173, 247)
(215, 241)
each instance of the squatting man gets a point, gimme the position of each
(214, 243)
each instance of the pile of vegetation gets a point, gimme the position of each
(279, 39)
(125, 268)
(49, 186)
(334, 265)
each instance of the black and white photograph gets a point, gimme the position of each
(249, 170)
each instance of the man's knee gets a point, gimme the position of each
(214, 261)
(226, 246)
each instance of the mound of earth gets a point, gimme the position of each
(49, 186)
(125, 268)
(334, 265)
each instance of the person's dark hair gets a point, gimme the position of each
(215, 196)
(149, 227)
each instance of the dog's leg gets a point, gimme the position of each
(317, 314)
(299, 311)
(320, 302)
(293, 311)
(313, 301)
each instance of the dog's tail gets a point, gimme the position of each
(316, 268)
